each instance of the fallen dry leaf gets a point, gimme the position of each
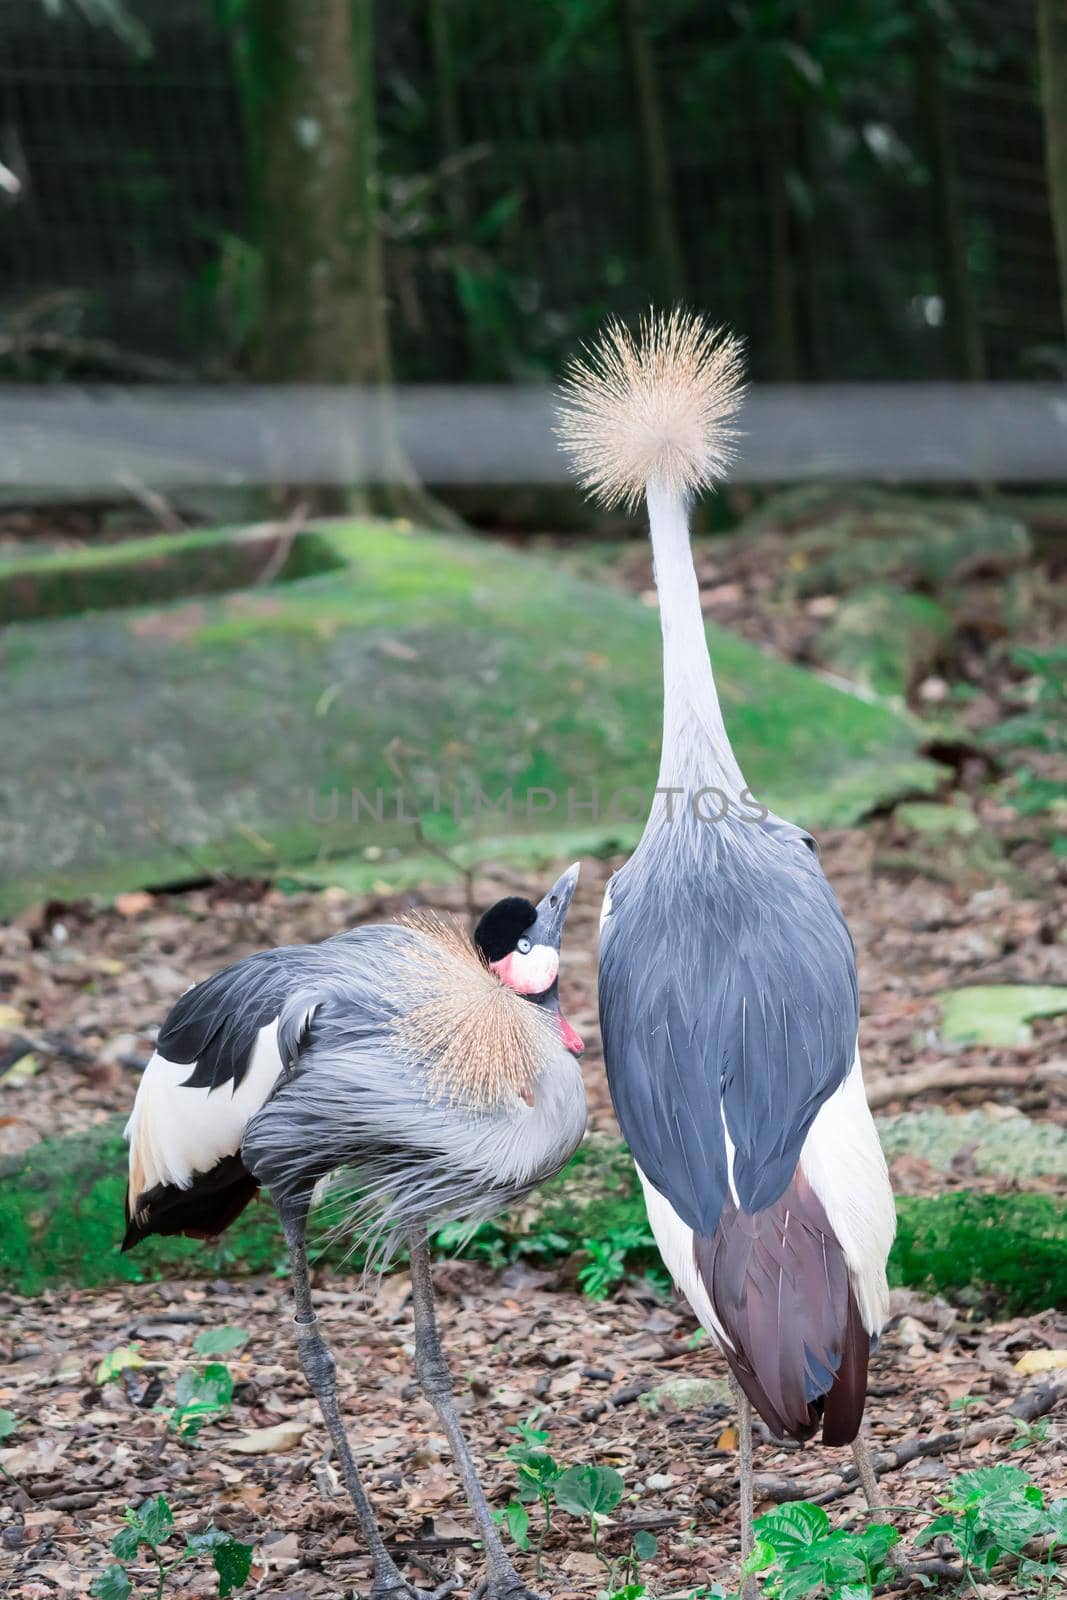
(133, 903)
(1041, 1361)
(269, 1441)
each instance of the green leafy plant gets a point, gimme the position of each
(802, 1556)
(992, 1512)
(204, 1393)
(150, 1527)
(1029, 1433)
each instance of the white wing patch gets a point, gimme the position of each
(605, 910)
(843, 1161)
(175, 1132)
(674, 1239)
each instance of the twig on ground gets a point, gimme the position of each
(1028, 1406)
(152, 501)
(908, 1085)
(284, 534)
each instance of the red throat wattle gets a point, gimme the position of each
(572, 1041)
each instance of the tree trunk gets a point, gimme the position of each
(962, 332)
(655, 157)
(306, 69)
(1052, 50)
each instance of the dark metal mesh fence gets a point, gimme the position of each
(536, 175)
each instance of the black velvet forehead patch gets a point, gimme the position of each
(502, 926)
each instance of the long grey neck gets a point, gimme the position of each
(696, 750)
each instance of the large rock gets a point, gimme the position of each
(285, 725)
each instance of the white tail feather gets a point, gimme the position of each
(655, 408)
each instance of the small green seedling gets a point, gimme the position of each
(220, 1341)
(204, 1393)
(537, 1475)
(591, 1493)
(151, 1527)
(199, 1397)
(1029, 1433)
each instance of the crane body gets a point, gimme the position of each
(436, 1071)
(729, 999)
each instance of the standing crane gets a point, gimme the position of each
(439, 1069)
(729, 1002)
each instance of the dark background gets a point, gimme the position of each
(859, 188)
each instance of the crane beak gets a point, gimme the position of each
(552, 910)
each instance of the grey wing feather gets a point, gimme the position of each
(728, 992)
(215, 1024)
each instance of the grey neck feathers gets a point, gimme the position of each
(696, 750)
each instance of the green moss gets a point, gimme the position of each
(61, 1210)
(1011, 1248)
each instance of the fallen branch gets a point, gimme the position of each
(934, 1568)
(926, 1080)
(91, 352)
(1031, 1404)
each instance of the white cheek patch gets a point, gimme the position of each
(531, 973)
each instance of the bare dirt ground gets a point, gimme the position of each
(518, 1347)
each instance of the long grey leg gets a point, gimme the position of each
(868, 1477)
(502, 1581)
(320, 1371)
(749, 1586)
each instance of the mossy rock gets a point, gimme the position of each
(929, 820)
(141, 572)
(884, 639)
(1015, 1147)
(935, 545)
(426, 676)
(61, 1217)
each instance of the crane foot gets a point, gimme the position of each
(408, 1591)
(504, 1589)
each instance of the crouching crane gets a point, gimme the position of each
(729, 1003)
(439, 1069)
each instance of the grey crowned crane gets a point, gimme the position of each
(438, 1069)
(729, 1002)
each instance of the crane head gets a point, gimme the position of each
(520, 942)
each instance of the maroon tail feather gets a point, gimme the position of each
(778, 1282)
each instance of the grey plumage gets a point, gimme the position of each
(351, 1098)
(728, 995)
(356, 1102)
